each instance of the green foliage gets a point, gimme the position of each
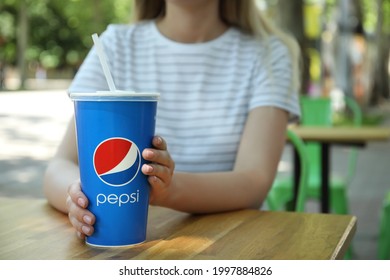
(59, 33)
(370, 13)
(386, 16)
(369, 8)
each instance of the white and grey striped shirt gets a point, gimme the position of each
(207, 89)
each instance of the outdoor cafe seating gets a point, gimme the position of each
(318, 112)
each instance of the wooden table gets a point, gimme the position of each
(327, 136)
(31, 229)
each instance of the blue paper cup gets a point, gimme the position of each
(112, 129)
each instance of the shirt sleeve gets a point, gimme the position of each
(90, 76)
(272, 79)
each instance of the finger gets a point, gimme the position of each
(81, 227)
(80, 218)
(156, 169)
(158, 156)
(77, 195)
(156, 182)
(80, 235)
(159, 143)
(81, 214)
(163, 173)
(157, 186)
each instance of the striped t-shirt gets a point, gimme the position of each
(206, 89)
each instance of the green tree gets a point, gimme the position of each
(54, 33)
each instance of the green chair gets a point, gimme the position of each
(318, 111)
(315, 112)
(384, 230)
(278, 196)
(357, 118)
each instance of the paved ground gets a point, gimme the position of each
(31, 125)
(33, 122)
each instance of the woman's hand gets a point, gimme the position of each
(160, 170)
(76, 203)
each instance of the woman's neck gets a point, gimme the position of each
(191, 23)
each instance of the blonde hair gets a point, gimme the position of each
(243, 14)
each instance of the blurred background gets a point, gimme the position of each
(345, 52)
(345, 43)
(48, 39)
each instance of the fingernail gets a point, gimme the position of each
(87, 219)
(82, 202)
(148, 168)
(86, 229)
(159, 140)
(149, 153)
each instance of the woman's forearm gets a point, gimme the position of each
(216, 192)
(58, 177)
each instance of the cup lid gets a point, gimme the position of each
(114, 95)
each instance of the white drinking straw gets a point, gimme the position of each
(103, 62)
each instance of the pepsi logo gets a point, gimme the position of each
(117, 161)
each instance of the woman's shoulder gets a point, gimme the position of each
(260, 44)
(270, 48)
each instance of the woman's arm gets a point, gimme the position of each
(62, 170)
(246, 186)
(62, 185)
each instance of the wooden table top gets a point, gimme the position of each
(31, 229)
(342, 134)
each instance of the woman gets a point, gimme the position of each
(228, 88)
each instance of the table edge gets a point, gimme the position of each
(345, 240)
